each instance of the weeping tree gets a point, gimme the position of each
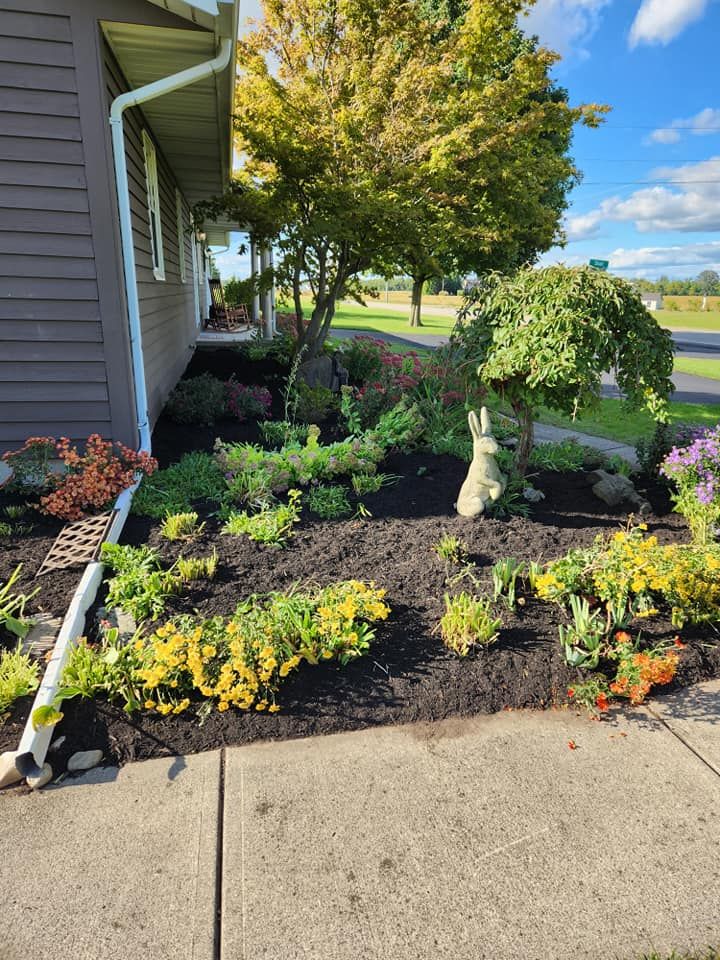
(545, 337)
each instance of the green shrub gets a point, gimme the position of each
(561, 456)
(271, 525)
(197, 400)
(195, 477)
(329, 502)
(281, 433)
(140, 586)
(313, 404)
(652, 451)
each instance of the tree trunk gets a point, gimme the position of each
(524, 416)
(416, 302)
(297, 300)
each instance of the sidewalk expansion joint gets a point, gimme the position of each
(683, 741)
(219, 869)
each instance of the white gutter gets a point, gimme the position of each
(30, 755)
(132, 99)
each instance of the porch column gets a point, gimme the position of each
(255, 308)
(267, 311)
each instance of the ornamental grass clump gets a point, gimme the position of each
(329, 502)
(695, 471)
(195, 476)
(468, 622)
(197, 568)
(181, 526)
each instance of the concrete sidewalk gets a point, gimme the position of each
(473, 839)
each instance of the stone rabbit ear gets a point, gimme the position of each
(474, 424)
(485, 420)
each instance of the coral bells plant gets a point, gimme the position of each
(247, 401)
(93, 479)
(695, 471)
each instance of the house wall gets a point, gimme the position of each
(64, 351)
(53, 377)
(167, 307)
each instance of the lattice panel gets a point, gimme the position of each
(77, 543)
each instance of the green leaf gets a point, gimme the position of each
(47, 716)
(19, 627)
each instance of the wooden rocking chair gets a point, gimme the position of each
(223, 317)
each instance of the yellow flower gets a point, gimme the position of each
(223, 706)
(273, 708)
(149, 705)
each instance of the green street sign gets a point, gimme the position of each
(599, 264)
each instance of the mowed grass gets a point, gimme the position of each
(375, 320)
(613, 420)
(698, 367)
(688, 319)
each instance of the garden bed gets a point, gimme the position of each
(408, 675)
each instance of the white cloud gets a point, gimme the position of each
(691, 204)
(660, 21)
(565, 25)
(688, 255)
(702, 124)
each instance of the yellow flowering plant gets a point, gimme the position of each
(632, 574)
(241, 661)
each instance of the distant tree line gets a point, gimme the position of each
(706, 284)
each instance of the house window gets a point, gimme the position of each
(180, 234)
(153, 195)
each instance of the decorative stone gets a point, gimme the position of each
(126, 625)
(323, 371)
(43, 778)
(84, 760)
(484, 480)
(532, 495)
(56, 744)
(8, 770)
(614, 489)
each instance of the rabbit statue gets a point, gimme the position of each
(484, 480)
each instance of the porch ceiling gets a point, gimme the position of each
(193, 126)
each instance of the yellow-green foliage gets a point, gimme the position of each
(181, 526)
(451, 549)
(19, 676)
(272, 525)
(197, 568)
(468, 622)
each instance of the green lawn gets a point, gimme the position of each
(374, 320)
(613, 421)
(688, 319)
(698, 367)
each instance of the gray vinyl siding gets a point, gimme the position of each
(167, 307)
(52, 368)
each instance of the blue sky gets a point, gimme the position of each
(654, 63)
(650, 199)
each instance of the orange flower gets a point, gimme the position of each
(572, 745)
(602, 702)
(678, 643)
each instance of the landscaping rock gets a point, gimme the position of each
(8, 771)
(56, 744)
(614, 489)
(116, 617)
(43, 778)
(84, 760)
(323, 371)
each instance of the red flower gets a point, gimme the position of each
(602, 702)
(572, 745)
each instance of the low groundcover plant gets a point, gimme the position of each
(237, 661)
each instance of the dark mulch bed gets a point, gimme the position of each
(408, 675)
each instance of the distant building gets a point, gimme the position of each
(652, 301)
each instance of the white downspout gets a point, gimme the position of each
(29, 758)
(119, 105)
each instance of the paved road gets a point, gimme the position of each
(689, 344)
